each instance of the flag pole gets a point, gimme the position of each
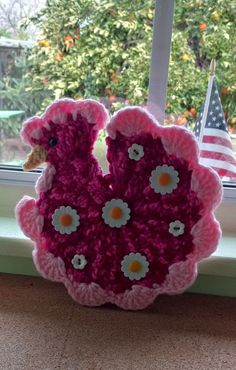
(207, 101)
(161, 45)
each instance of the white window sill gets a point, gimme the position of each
(16, 249)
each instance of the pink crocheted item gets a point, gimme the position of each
(132, 234)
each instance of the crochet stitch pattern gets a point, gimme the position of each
(127, 236)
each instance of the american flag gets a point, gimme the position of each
(216, 149)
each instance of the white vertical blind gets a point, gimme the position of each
(158, 79)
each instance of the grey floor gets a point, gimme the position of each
(42, 328)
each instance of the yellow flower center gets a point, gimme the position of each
(164, 179)
(135, 266)
(66, 219)
(116, 213)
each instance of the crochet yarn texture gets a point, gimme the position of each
(127, 236)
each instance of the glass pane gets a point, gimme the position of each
(17, 103)
(101, 49)
(205, 30)
(80, 49)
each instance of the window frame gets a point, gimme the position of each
(17, 177)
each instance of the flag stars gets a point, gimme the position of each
(211, 112)
(214, 118)
(213, 102)
(217, 124)
(217, 108)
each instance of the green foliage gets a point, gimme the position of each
(203, 30)
(15, 96)
(102, 48)
(93, 49)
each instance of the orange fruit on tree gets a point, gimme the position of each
(112, 97)
(202, 26)
(59, 57)
(193, 111)
(69, 42)
(68, 38)
(224, 90)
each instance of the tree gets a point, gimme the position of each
(203, 31)
(102, 48)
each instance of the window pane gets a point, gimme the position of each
(101, 49)
(84, 49)
(16, 101)
(205, 30)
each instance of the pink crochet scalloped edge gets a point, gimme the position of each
(51, 267)
(206, 235)
(137, 298)
(25, 212)
(92, 110)
(207, 184)
(133, 120)
(44, 182)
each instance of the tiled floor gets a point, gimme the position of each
(42, 328)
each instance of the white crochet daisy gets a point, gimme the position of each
(116, 213)
(136, 152)
(164, 179)
(79, 261)
(135, 266)
(176, 228)
(65, 220)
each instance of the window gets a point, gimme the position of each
(101, 49)
(201, 32)
(16, 103)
